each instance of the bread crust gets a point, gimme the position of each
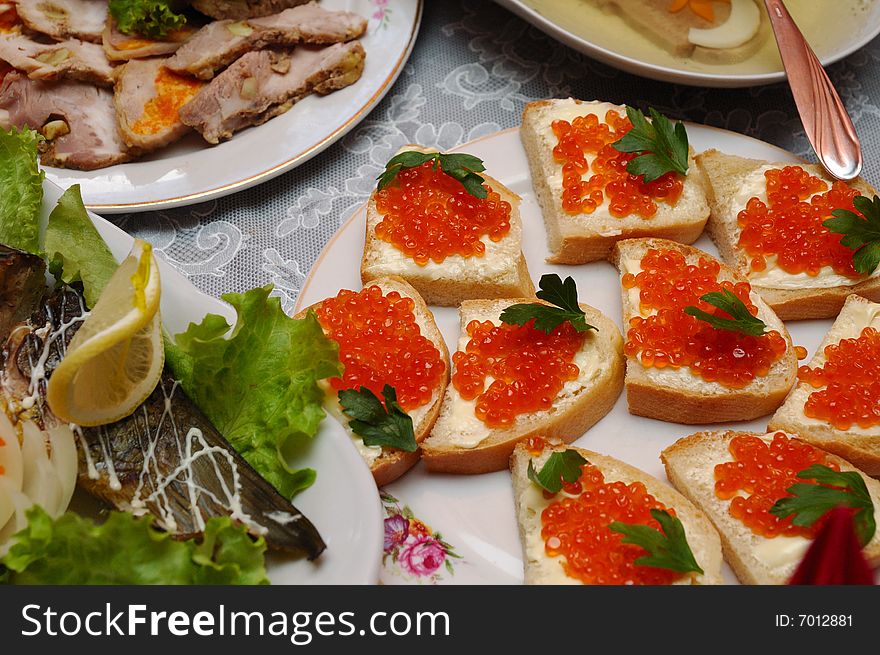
(493, 453)
(681, 457)
(573, 244)
(863, 451)
(701, 533)
(724, 175)
(450, 290)
(694, 406)
(393, 463)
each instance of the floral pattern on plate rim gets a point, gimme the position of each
(382, 13)
(411, 549)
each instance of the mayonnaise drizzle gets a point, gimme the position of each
(50, 337)
(152, 487)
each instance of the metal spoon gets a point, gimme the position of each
(828, 126)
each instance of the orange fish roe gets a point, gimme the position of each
(535, 445)
(851, 377)
(672, 338)
(577, 529)
(381, 343)
(529, 368)
(428, 215)
(789, 225)
(172, 92)
(627, 194)
(764, 472)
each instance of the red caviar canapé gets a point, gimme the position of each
(789, 225)
(668, 284)
(577, 529)
(851, 380)
(529, 368)
(586, 186)
(759, 475)
(429, 216)
(381, 343)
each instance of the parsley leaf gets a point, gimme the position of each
(811, 501)
(561, 465)
(378, 425)
(457, 165)
(741, 319)
(861, 233)
(562, 295)
(661, 146)
(668, 549)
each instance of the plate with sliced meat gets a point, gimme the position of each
(146, 111)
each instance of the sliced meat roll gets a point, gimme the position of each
(266, 83)
(61, 19)
(122, 47)
(220, 43)
(222, 9)
(77, 119)
(75, 59)
(147, 99)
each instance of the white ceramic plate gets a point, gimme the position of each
(343, 503)
(474, 514)
(193, 171)
(579, 24)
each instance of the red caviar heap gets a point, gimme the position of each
(577, 528)
(851, 377)
(627, 194)
(428, 215)
(789, 225)
(529, 368)
(380, 343)
(670, 337)
(765, 472)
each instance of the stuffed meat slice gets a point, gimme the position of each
(147, 98)
(60, 19)
(266, 83)
(77, 119)
(74, 59)
(220, 43)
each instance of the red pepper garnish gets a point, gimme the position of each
(835, 556)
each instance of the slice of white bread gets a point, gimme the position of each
(462, 443)
(501, 271)
(390, 463)
(588, 237)
(529, 498)
(680, 396)
(690, 466)
(731, 181)
(670, 30)
(861, 446)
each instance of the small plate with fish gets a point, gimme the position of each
(147, 114)
(712, 43)
(167, 460)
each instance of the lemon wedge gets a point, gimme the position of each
(116, 357)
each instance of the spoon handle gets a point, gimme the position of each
(823, 114)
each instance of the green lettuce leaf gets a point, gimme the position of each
(258, 385)
(75, 250)
(150, 18)
(128, 550)
(21, 190)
